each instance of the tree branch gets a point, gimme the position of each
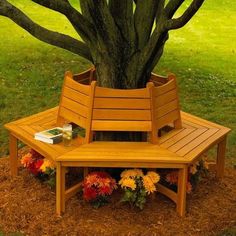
(99, 13)
(122, 13)
(187, 15)
(83, 27)
(144, 16)
(171, 7)
(43, 34)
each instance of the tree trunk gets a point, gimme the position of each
(124, 39)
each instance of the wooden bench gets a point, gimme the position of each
(102, 109)
(74, 95)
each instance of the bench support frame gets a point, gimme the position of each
(13, 148)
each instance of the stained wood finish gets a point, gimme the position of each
(122, 110)
(13, 155)
(75, 107)
(181, 193)
(85, 77)
(166, 102)
(146, 110)
(220, 164)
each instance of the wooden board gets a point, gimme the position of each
(99, 125)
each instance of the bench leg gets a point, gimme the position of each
(13, 155)
(220, 163)
(86, 171)
(60, 189)
(181, 194)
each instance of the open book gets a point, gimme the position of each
(52, 136)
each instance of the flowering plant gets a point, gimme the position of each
(196, 170)
(137, 186)
(97, 188)
(39, 166)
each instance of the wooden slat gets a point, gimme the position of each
(165, 98)
(174, 139)
(125, 164)
(163, 110)
(214, 139)
(187, 126)
(133, 147)
(121, 93)
(76, 96)
(69, 82)
(160, 90)
(75, 107)
(121, 125)
(82, 76)
(196, 142)
(196, 125)
(158, 79)
(122, 103)
(184, 141)
(49, 112)
(49, 124)
(41, 121)
(200, 121)
(166, 119)
(169, 135)
(119, 114)
(116, 154)
(73, 117)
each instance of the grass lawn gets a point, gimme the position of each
(202, 55)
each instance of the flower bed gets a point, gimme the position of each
(40, 167)
(98, 186)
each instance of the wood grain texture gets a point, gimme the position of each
(103, 109)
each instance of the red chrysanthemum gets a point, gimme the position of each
(98, 184)
(105, 190)
(34, 167)
(89, 194)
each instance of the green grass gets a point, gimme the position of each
(202, 55)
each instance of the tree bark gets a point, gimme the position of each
(124, 39)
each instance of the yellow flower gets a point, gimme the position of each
(193, 169)
(148, 184)
(128, 183)
(46, 164)
(153, 176)
(131, 173)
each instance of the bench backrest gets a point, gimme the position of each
(85, 77)
(166, 102)
(97, 108)
(75, 102)
(121, 110)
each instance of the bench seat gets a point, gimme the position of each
(25, 128)
(177, 149)
(196, 137)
